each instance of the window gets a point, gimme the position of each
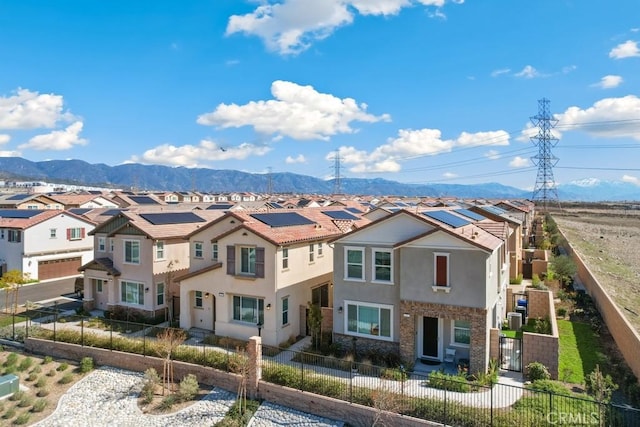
(2, 234)
(461, 332)
(285, 311)
(214, 251)
(198, 299)
(98, 284)
(53, 233)
(111, 245)
(319, 249)
(354, 260)
(76, 233)
(14, 236)
(197, 249)
(311, 252)
(382, 265)
(248, 309)
(132, 292)
(285, 258)
(369, 320)
(132, 252)
(160, 294)
(102, 244)
(320, 296)
(441, 269)
(247, 260)
(159, 250)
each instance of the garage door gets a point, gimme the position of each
(55, 268)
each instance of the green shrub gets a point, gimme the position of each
(537, 371)
(25, 402)
(535, 280)
(86, 365)
(12, 369)
(11, 360)
(47, 359)
(17, 395)
(516, 280)
(442, 381)
(10, 413)
(44, 391)
(63, 367)
(562, 312)
(36, 370)
(188, 388)
(25, 364)
(51, 373)
(550, 386)
(22, 419)
(66, 378)
(42, 381)
(167, 402)
(32, 377)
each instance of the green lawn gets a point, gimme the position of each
(580, 351)
(7, 320)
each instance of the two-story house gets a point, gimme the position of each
(136, 257)
(253, 270)
(417, 283)
(44, 244)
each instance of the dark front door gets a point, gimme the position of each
(430, 337)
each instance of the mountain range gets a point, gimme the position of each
(163, 178)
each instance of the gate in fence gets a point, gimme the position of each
(511, 353)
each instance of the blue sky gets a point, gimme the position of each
(416, 91)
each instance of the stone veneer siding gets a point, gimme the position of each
(365, 345)
(478, 350)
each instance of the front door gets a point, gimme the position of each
(430, 338)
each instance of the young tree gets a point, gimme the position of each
(11, 281)
(564, 268)
(600, 386)
(315, 324)
(167, 342)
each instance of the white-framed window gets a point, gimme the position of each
(285, 311)
(159, 250)
(14, 236)
(132, 292)
(248, 309)
(111, 244)
(197, 302)
(441, 269)
(353, 263)
(247, 260)
(369, 320)
(131, 251)
(461, 333)
(160, 294)
(198, 250)
(214, 251)
(75, 233)
(102, 244)
(285, 258)
(382, 265)
(98, 285)
(320, 248)
(312, 253)
(53, 233)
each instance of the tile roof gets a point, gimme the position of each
(24, 223)
(166, 231)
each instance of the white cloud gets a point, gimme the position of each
(528, 132)
(492, 155)
(608, 82)
(291, 26)
(4, 138)
(519, 162)
(609, 118)
(501, 71)
(31, 110)
(292, 160)
(627, 49)
(57, 140)
(10, 153)
(568, 69)
(631, 179)
(528, 72)
(413, 143)
(299, 112)
(450, 175)
(192, 155)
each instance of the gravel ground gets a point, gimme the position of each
(108, 397)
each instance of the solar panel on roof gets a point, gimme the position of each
(220, 206)
(19, 213)
(274, 205)
(403, 204)
(79, 211)
(494, 210)
(282, 219)
(143, 200)
(470, 214)
(354, 210)
(19, 197)
(172, 218)
(340, 215)
(111, 212)
(447, 217)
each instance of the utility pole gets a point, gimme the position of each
(269, 182)
(545, 189)
(337, 185)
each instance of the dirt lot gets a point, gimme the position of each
(608, 240)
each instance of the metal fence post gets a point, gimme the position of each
(302, 372)
(82, 332)
(110, 331)
(351, 384)
(144, 340)
(491, 413)
(13, 322)
(55, 319)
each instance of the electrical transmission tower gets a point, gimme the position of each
(337, 185)
(545, 189)
(269, 181)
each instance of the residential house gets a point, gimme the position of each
(255, 272)
(136, 257)
(44, 244)
(84, 201)
(29, 201)
(417, 283)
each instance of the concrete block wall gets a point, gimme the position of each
(540, 347)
